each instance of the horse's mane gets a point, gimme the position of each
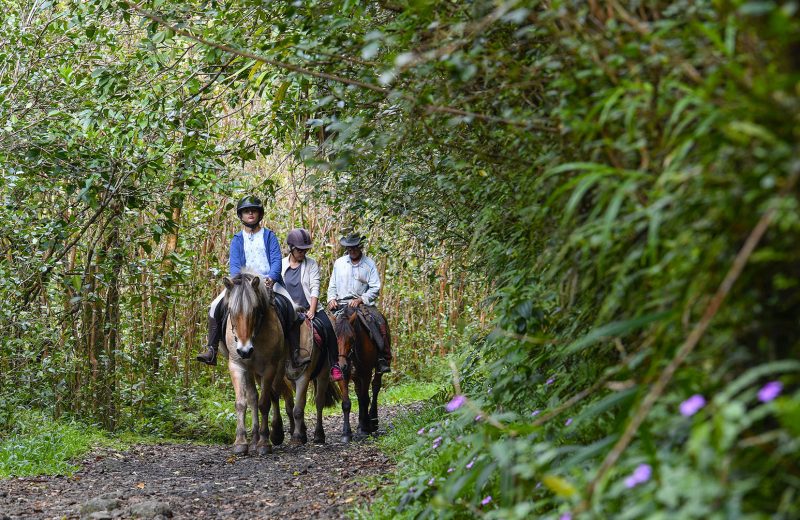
(243, 299)
(343, 328)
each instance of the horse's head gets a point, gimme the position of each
(248, 297)
(346, 336)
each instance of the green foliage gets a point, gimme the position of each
(577, 177)
(38, 446)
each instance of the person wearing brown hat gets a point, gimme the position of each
(301, 278)
(355, 281)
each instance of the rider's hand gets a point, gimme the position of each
(270, 282)
(309, 314)
(356, 302)
(332, 305)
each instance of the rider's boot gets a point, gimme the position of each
(209, 357)
(336, 373)
(383, 366)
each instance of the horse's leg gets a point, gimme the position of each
(264, 447)
(347, 433)
(323, 380)
(238, 377)
(373, 405)
(275, 383)
(288, 401)
(299, 435)
(252, 402)
(362, 391)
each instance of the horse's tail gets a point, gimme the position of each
(286, 391)
(332, 396)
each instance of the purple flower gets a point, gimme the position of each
(535, 413)
(550, 381)
(456, 403)
(478, 417)
(470, 463)
(770, 391)
(640, 475)
(565, 516)
(568, 422)
(436, 442)
(420, 431)
(692, 405)
(450, 470)
(430, 482)
(486, 500)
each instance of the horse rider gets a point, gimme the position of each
(355, 281)
(256, 248)
(300, 274)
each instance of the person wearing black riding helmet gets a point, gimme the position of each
(301, 279)
(255, 247)
(355, 281)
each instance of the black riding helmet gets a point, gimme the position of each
(299, 239)
(250, 201)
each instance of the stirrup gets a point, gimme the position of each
(383, 366)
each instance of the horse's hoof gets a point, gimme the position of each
(319, 439)
(240, 449)
(277, 439)
(264, 449)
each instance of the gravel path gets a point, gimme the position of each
(192, 481)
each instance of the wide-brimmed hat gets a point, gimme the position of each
(352, 240)
(299, 238)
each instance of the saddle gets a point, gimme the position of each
(375, 323)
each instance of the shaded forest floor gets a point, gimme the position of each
(194, 481)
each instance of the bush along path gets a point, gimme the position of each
(194, 481)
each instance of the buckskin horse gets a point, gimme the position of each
(358, 357)
(325, 394)
(258, 352)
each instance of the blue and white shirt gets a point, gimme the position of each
(350, 281)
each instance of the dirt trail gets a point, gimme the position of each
(191, 481)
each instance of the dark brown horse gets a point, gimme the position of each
(358, 357)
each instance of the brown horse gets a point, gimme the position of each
(325, 394)
(358, 357)
(256, 350)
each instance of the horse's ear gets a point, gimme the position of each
(255, 282)
(228, 283)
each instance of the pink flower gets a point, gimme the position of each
(456, 403)
(640, 475)
(770, 391)
(486, 500)
(692, 405)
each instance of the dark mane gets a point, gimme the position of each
(244, 300)
(344, 331)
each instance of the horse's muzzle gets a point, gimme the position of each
(244, 353)
(345, 371)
